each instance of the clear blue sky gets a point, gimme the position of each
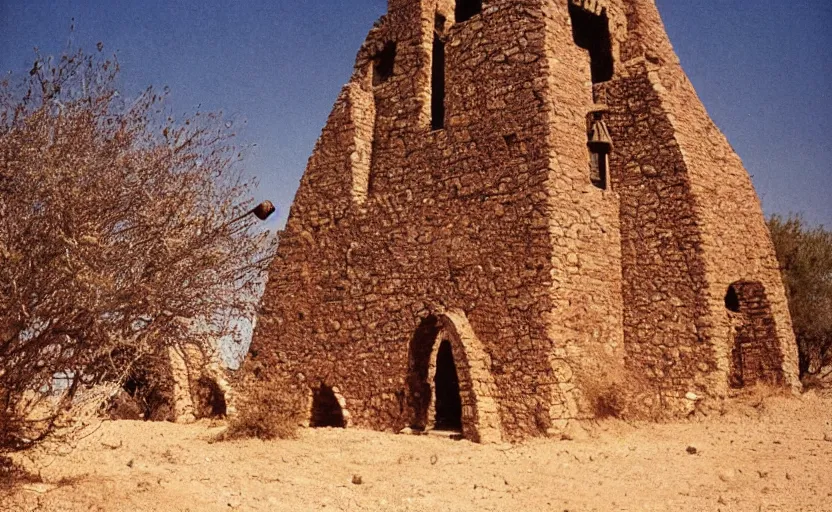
(762, 67)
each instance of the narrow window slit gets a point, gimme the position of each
(384, 64)
(598, 169)
(592, 33)
(437, 106)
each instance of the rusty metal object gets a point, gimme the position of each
(264, 210)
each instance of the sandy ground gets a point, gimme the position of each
(762, 456)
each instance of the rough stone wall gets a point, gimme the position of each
(663, 272)
(691, 223)
(492, 223)
(585, 323)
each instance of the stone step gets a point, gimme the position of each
(453, 435)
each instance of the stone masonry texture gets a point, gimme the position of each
(454, 195)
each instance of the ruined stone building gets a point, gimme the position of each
(200, 386)
(519, 214)
(183, 382)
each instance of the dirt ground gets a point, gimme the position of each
(764, 455)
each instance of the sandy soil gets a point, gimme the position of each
(762, 456)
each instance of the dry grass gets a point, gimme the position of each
(266, 416)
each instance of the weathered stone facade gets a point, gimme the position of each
(535, 185)
(200, 386)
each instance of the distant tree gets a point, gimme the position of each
(120, 230)
(805, 256)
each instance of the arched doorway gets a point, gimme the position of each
(326, 409)
(756, 356)
(444, 360)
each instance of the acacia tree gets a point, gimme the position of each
(805, 256)
(120, 230)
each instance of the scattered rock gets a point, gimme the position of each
(40, 488)
(357, 480)
(692, 450)
(692, 397)
(721, 501)
(433, 460)
(574, 432)
(727, 475)
(130, 463)
(827, 437)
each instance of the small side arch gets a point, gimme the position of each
(328, 408)
(209, 398)
(756, 352)
(445, 357)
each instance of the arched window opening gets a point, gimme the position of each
(446, 385)
(210, 399)
(592, 33)
(437, 104)
(732, 300)
(467, 9)
(326, 411)
(384, 64)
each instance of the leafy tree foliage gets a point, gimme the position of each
(121, 230)
(805, 256)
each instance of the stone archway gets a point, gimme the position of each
(756, 355)
(328, 408)
(449, 381)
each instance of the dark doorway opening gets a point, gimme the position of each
(437, 103)
(210, 398)
(326, 411)
(418, 387)
(446, 386)
(467, 9)
(592, 33)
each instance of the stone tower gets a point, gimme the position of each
(519, 214)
